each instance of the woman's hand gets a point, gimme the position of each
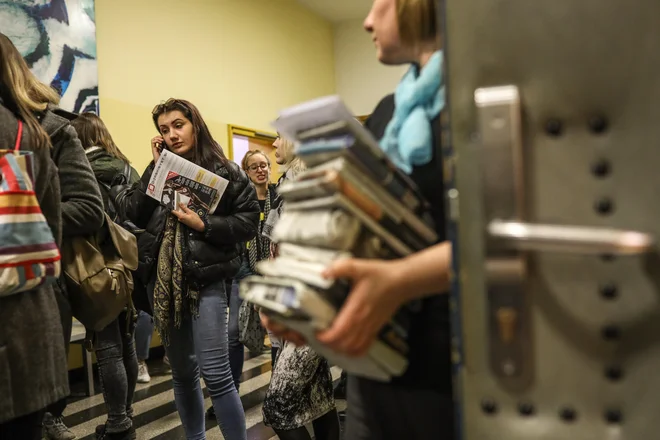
(157, 145)
(375, 296)
(189, 218)
(280, 331)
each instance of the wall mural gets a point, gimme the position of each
(58, 40)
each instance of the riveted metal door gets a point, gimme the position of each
(554, 147)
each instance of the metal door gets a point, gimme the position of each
(553, 159)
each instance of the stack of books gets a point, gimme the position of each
(351, 202)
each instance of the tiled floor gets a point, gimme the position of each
(155, 413)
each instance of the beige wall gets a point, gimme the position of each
(361, 80)
(239, 61)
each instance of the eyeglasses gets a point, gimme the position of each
(255, 167)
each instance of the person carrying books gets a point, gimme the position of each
(190, 258)
(417, 405)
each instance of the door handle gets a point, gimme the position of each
(569, 239)
(509, 236)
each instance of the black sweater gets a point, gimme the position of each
(430, 335)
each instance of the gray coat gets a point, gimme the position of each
(33, 364)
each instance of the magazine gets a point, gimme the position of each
(176, 180)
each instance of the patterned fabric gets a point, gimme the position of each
(29, 256)
(170, 292)
(251, 332)
(300, 389)
(259, 247)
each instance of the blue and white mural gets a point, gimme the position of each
(58, 40)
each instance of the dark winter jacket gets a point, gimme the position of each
(82, 205)
(245, 270)
(110, 171)
(33, 363)
(211, 255)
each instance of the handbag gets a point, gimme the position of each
(250, 331)
(98, 272)
(29, 257)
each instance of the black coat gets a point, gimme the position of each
(209, 256)
(33, 363)
(429, 336)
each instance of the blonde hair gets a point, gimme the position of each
(24, 91)
(418, 21)
(286, 150)
(292, 163)
(249, 154)
(92, 132)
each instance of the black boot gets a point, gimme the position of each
(126, 435)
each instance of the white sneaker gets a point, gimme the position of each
(55, 429)
(143, 373)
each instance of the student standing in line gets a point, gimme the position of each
(300, 389)
(292, 166)
(71, 202)
(419, 404)
(189, 259)
(114, 345)
(257, 166)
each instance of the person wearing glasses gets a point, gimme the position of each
(257, 165)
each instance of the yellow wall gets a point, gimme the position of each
(362, 81)
(239, 61)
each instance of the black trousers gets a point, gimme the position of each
(23, 428)
(381, 411)
(118, 370)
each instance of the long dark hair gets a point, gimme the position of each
(92, 132)
(22, 92)
(206, 152)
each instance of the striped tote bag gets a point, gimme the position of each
(29, 256)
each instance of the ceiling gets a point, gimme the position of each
(339, 10)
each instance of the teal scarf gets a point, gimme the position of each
(419, 98)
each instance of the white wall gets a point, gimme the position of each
(361, 80)
(240, 147)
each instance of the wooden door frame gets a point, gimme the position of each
(247, 132)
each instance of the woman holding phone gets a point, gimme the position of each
(189, 259)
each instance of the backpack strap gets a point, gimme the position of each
(19, 136)
(127, 172)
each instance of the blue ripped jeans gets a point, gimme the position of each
(200, 347)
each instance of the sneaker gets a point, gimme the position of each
(143, 373)
(55, 429)
(126, 435)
